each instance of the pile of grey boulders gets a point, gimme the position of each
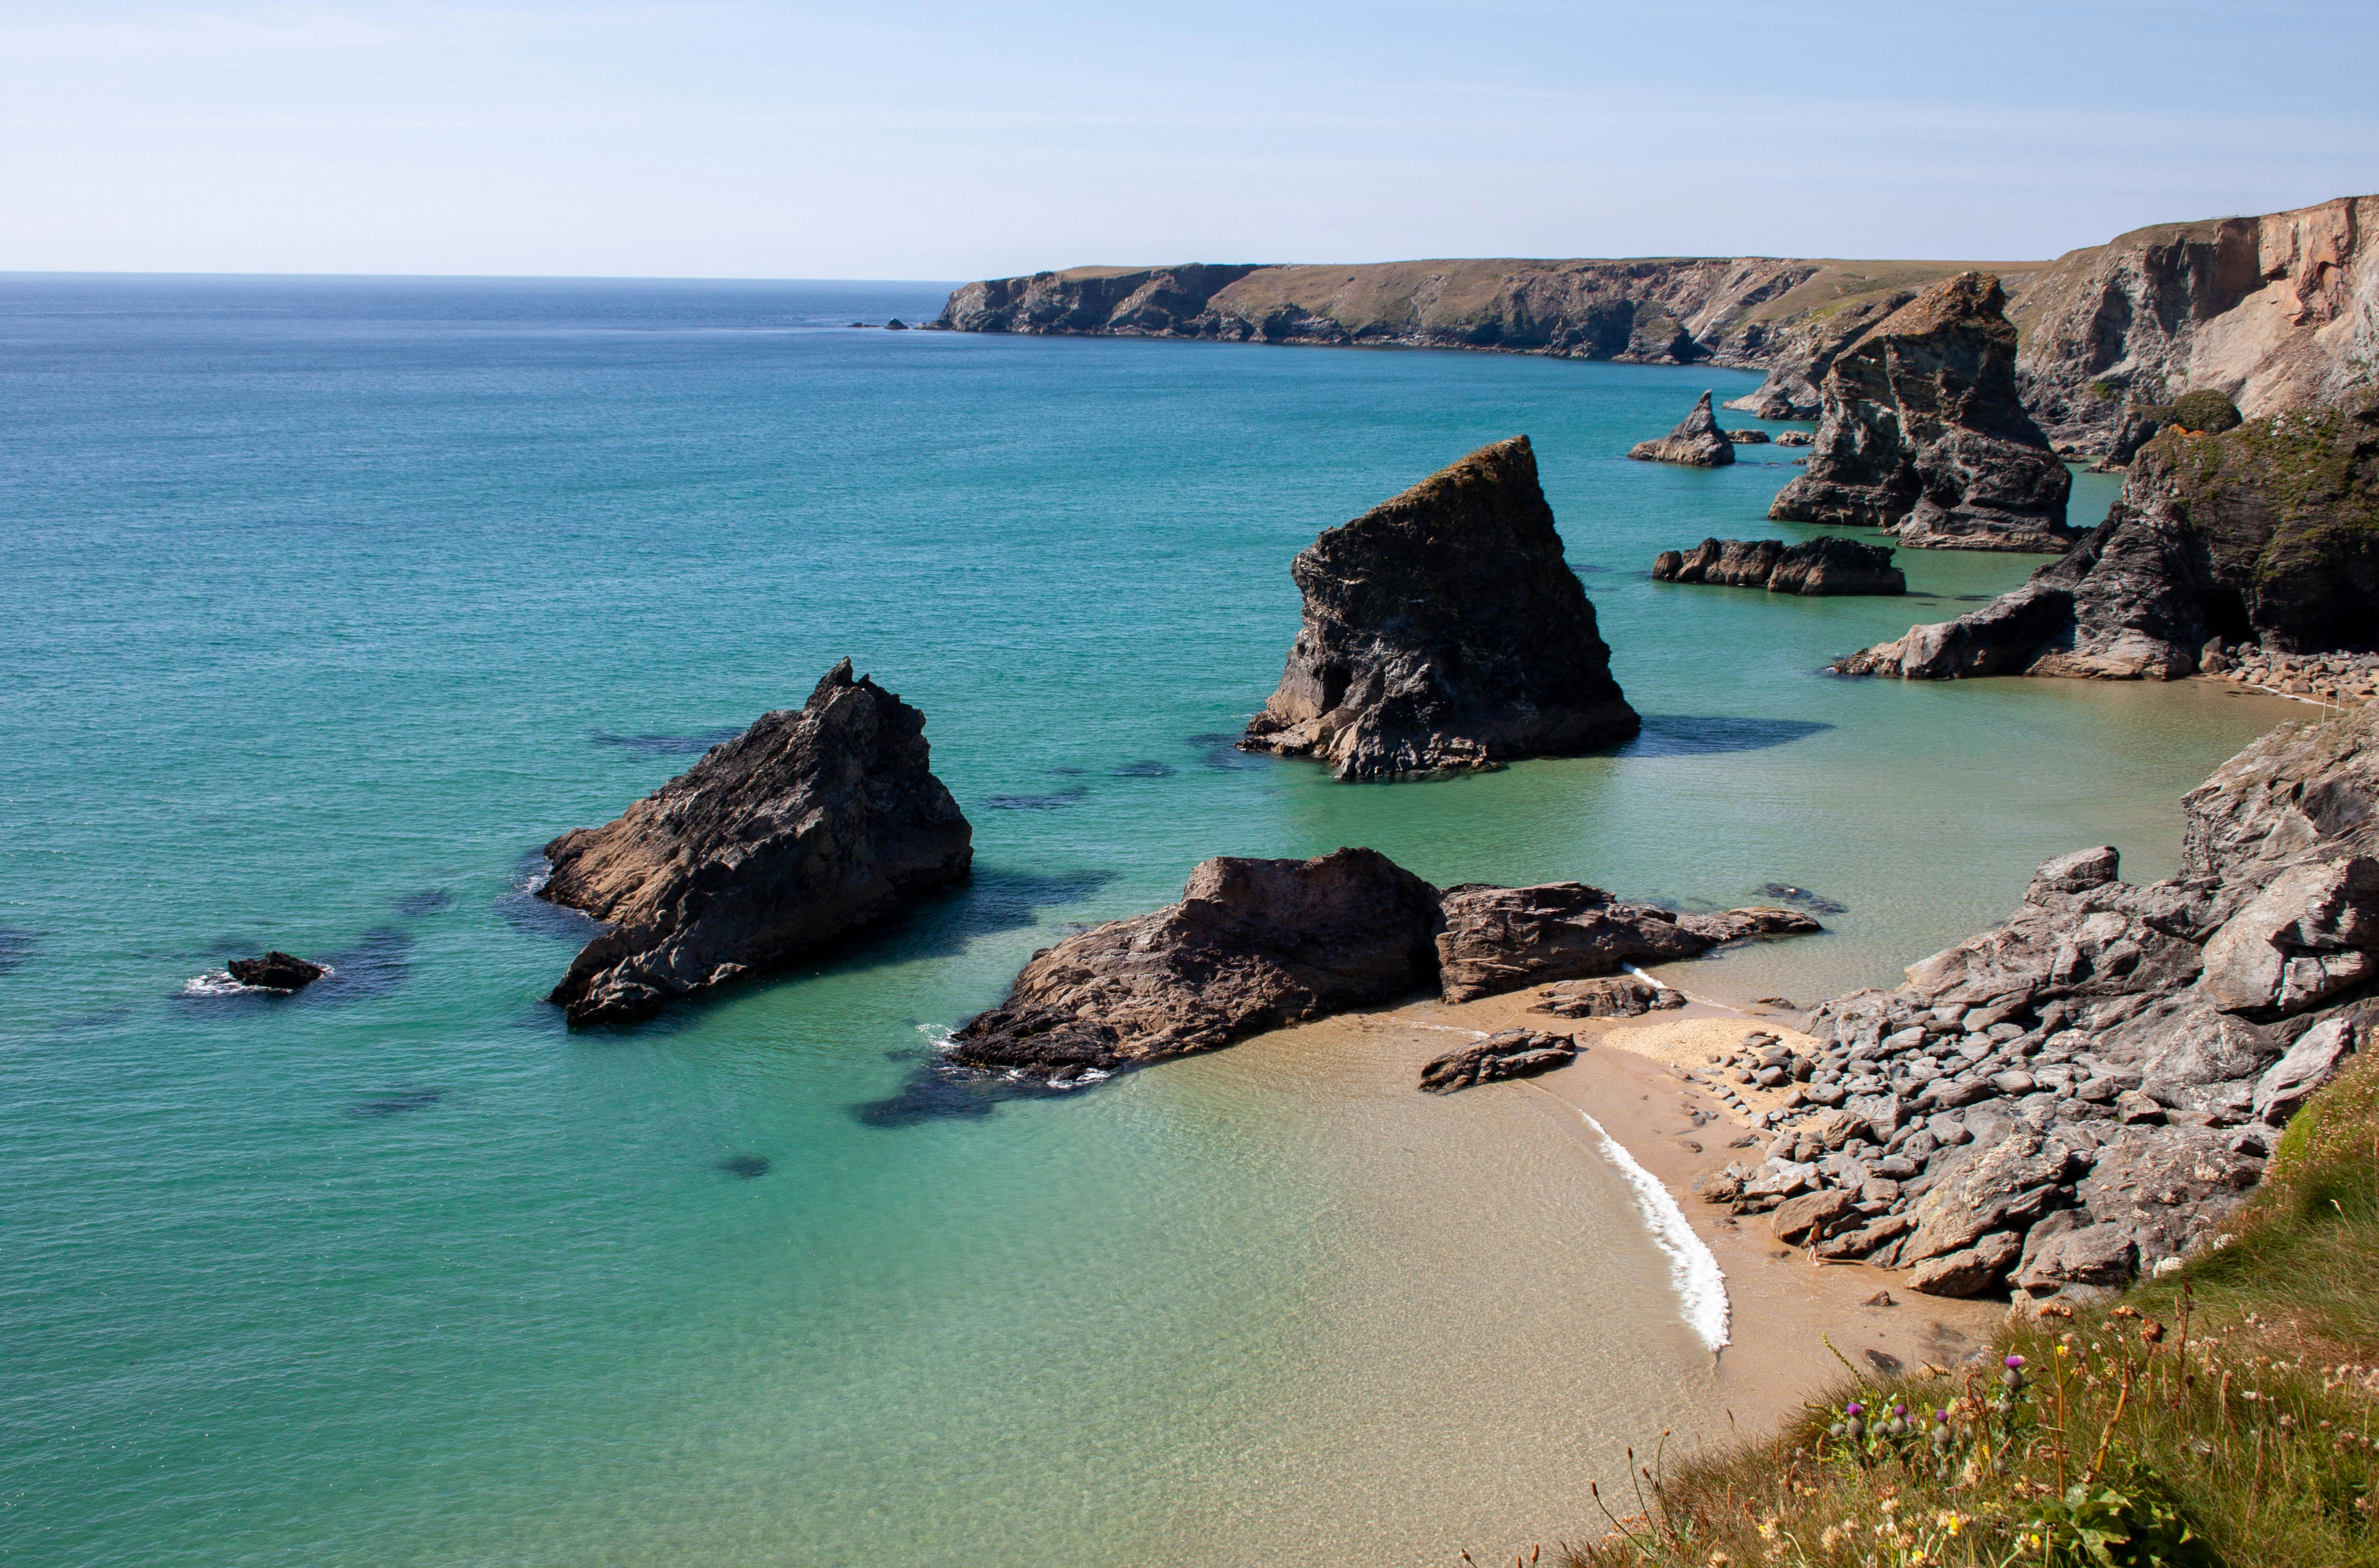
(2086, 1092)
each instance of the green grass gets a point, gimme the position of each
(2221, 1415)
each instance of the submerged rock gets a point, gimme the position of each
(1697, 442)
(1922, 434)
(1511, 1053)
(2266, 531)
(1613, 997)
(1821, 566)
(813, 824)
(1443, 632)
(276, 970)
(2089, 1088)
(1253, 944)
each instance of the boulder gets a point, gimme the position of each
(1613, 997)
(1511, 1053)
(811, 825)
(1252, 945)
(1970, 1270)
(2066, 1248)
(2291, 1080)
(1811, 1217)
(1443, 632)
(1747, 437)
(276, 970)
(1497, 940)
(2312, 932)
(1921, 433)
(2263, 533)
(1697, 442)
(1826, 565)
(2003, 1188)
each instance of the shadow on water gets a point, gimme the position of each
(532, 916)
(16, 947)
(1056, 802)
(1145, 770)
(430, 900)
(1221, 752)
(744, 1167)
(664, 745)
(395, 1104)
(1687, 735)
(937, 1091)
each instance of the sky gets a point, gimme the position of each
(949, 142)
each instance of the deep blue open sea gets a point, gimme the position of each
(326, 602)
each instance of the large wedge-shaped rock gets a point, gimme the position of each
(1253, 944)
(1697, 442)
(810, 825)
(1921, 433)
(1443, 632)
(2309, 934)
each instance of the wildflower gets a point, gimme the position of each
(1951, 1520)
(1767, 1528)
(2015, 1363)
(1890, 1505)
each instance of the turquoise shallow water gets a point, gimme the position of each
(327, 602)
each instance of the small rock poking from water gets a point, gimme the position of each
(1697, 442)
(276, 970)
(1511, 1053)
(744, 1167)
(1816, 902)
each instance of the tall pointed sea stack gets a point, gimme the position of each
(1443, 631)
(1922, 434)
(1697, 442)
(809, 827)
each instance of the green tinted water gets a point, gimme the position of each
(328, 602)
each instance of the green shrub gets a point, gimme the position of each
(2207, 411)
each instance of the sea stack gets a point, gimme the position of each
(1443, 631)
(1697, 442)
(1828, 564)
(809, 827)
(2260, 533)
(1921, 433)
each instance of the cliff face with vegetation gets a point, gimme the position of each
(1741, 310)
(2276, 312)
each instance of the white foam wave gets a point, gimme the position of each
(217, 982)
(1694, 1273)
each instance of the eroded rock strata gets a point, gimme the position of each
(2268, 532)
(1254, 945)
(1697, 442)
(2087, 1090)
(1509, 1052)
(1921, 433)
(811, 825)
(1443, 632)
(1825, 565)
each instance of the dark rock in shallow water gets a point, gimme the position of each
(1495, 939)
(664, 745)
(812, 826)
(16, 947)
(276, 970)
(1443, 633)
(1922, 433)
(1145, 770)
(744, 1167)
(2269, 531)
(1697, 442)
(430, 900)
(1511, 1053)
(1252, 945)
(395, 1105)
(1748, 437)
(1826, 565)
(1816, 903)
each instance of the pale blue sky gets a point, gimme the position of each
(923, 140)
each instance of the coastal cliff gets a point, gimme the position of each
(2276, 312)
(1725, 311)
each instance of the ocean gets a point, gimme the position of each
(329, 601)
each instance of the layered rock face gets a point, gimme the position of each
(1697, 442)
(2269, 532)
(809, 827)
(1743, 310)
(1496, 939)
(1443, 632)
(1827, 565)
(1253, 944)
(2087, 1090)
(2276, 312)
(1801, 353)
(1257, 944)
(1921, 434)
